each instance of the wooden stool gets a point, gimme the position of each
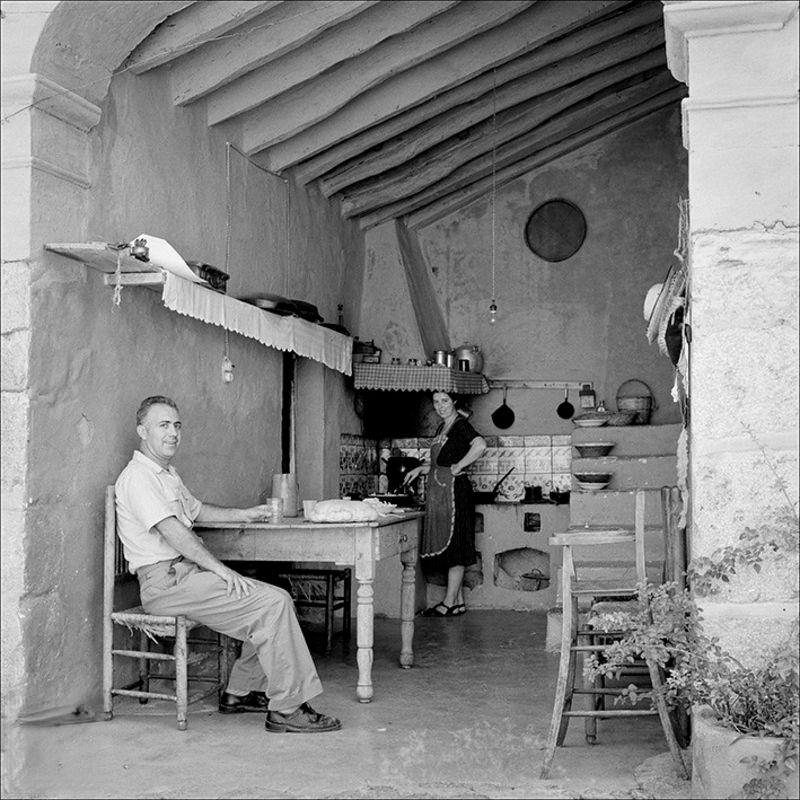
(575, 639)
(332, 578)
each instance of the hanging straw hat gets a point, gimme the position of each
(668, 299)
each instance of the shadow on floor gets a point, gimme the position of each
(468, 721)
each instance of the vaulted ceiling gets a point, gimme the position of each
(413, 108)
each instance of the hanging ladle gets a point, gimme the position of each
(503, 417)
(565, 409)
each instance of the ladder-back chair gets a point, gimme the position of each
(577, 639)
(150, 627)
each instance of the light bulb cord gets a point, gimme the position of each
(493, 305)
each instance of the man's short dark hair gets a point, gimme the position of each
(149, 402)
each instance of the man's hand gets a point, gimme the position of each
(257, 513)
(236, 584)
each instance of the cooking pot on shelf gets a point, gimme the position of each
(396, 469)
(470, 353)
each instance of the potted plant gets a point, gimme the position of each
(745, 717)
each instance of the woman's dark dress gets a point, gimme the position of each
(448, 535)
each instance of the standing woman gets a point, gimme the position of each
(448, 537)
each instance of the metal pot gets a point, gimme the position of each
(396, 469)
(440, 357)
(472, 354)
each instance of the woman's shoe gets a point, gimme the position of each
(458, 609)
(434, 611)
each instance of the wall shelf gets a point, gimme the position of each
(200, 301)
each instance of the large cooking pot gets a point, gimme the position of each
(396, 469)
(470, 353)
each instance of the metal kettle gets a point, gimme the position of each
(470, 353)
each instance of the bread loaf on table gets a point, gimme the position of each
(343, 511)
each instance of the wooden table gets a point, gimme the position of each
(359, 544)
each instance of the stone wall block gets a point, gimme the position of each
(738, 490)
(13, 442)
(717, 63)
(14, 361)
(775, 582)
(746, 634)
(730, 192)
(744, 380)
(15, 298)
(714, 127)
(15, 198)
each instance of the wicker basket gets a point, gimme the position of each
(620, 418)
(635, 396)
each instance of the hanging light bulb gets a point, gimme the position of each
(493, 304)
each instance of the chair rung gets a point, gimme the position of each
(590, 647)
(599, 691)
(138, 693)
(144, 654)
(598, 632)
(626, 712)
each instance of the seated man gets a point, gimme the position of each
(178, 575)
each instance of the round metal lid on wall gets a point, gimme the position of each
(555, 230)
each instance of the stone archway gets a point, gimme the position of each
(56, 73)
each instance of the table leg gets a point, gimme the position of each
(365, 579)
(407, 600)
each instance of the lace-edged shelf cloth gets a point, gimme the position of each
(402, 378)
(195, 300)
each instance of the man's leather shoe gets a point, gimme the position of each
(304, 720)
(234, 704)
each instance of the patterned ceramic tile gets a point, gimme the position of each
(562, 481)
(491, 441)
(412, 452)
(384, 443)
(561, 439)
(510, 441)
(537, 440)
(383, 484)
(405, 444)
(562, 458)
(537, 478)
(425, 442)
(486, 465)
(540, 463)
(482, 482)
(512, 488)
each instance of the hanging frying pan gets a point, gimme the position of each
(565, 409)
(503, 417)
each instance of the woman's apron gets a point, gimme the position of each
(437, 531)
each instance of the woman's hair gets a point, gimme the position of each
(149, 402)
(459, 400)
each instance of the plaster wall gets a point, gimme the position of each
(158, 170)
(576, 320)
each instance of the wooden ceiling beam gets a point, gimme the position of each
(295, 111)
(564, 127)
(189, 28)
(608, 30)
(543, 22)
(362, 33)
(283, 28)
(428, 213)
(437, 163)
(411, 143)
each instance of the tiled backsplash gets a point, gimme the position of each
(539, 460)
(358, 465)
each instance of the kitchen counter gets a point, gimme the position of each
(358, 544)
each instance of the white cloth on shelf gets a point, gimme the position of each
(284, 333)
(162, 254)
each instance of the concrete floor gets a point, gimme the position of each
(468, 721)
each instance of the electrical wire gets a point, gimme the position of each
(493, 305)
